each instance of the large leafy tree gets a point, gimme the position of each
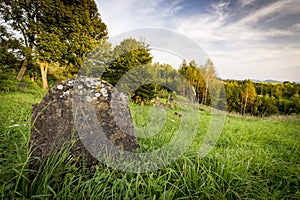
(21, 16)
(248, 95)
(128, 55)
(233, 90)
(202, 78)
(134, 57)
(210, 79)
(63, 31)
(77, 31)
(77, 24)
(192, 75)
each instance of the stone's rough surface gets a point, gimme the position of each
(54, 125)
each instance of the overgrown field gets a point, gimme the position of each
(253, 159)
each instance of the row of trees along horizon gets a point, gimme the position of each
(54, 38)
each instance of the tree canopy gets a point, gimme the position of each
(63, 31)
(9, 48)
(127, 55)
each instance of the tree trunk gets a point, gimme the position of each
(44, 70)
(203, 95)
(22, 70)
(183, 85)
(204, 101)
(246, 101)
(206, 93)
(205, 90)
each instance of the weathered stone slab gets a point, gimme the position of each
(101, 112)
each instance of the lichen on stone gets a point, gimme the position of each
(60, 87)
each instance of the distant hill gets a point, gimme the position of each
(266, 81)
(271, 81)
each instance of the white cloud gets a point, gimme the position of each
(122, 16)
(171, 9)
(237, 49)
(244, 3)
(219, 9)
(271, 12)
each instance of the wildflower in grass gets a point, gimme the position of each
(15, 125)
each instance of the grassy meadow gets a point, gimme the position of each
(254, 158)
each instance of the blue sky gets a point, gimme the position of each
(256, 39)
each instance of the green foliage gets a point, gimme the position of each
(244, 97)
(58, 72)
(54, 31)
(9, 46)
(139, 83)
(20, 16)
(266, 99)
(50, 47)
(248, 95)
(204, 81)
(8, 82)
(98, 60)
(78, 28)
(127, 55)
(194, 76)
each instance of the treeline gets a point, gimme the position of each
(61, 38)
(243, 97)
(129, 67)
(262, 99)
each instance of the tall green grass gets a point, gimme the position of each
(253, 159)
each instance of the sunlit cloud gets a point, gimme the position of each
(244, 3)
(245, 40)
(271, 12)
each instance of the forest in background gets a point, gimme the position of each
(54, 38)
